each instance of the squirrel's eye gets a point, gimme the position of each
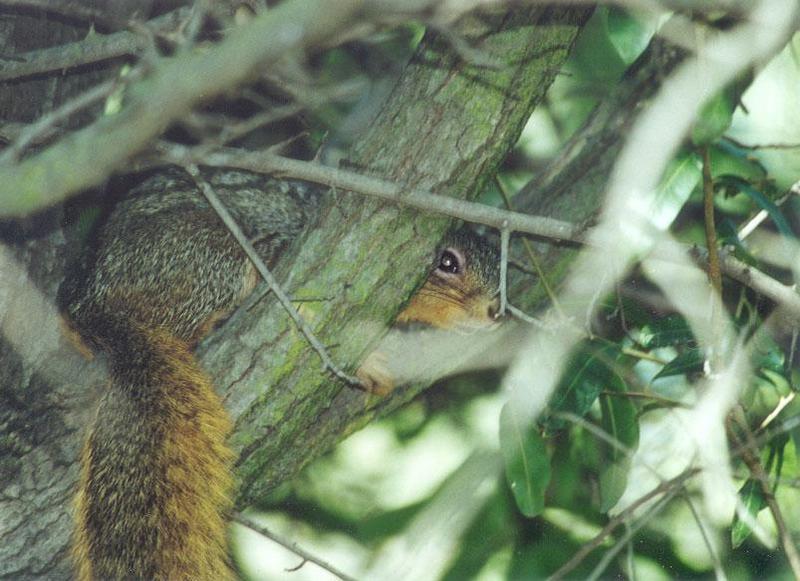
(449, 263)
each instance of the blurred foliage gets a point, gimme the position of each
(564, 475)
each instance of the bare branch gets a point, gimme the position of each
(585, 550)
(89, 156)
(47, 125)
(95, 48)
(539, 226)
(743, 145)
(246, 521)
(114, 14)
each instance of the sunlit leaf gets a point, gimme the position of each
(778, 379)
(526, 462)
(680, 179)
(620, 422)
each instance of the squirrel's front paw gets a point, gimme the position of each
(374, 374)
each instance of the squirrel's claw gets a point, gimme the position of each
(375, 375)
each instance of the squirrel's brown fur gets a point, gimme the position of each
(156, 480)
(156, 483)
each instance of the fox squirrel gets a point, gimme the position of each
(155, 482)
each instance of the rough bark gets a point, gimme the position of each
(41, 410)
(446, 126)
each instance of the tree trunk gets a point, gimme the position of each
(447, 126)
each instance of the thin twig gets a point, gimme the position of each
(235, 131)
(601, 434)
(89, 155)
(71, 9)
(742, 145)
(717, 562)
(525, 317)
(612, 524)
(302, 553)
(768, 434)
(714, 273)
(629, 532)
(629, 562)
(93, 49)
(251, 253)
(749, 454)
(639, 354)
(750, 226)
(532, 257)
(46, 125)
(505, 235)
(672, 403)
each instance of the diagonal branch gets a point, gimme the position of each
(262, 269)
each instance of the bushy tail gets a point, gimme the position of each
(155, 482)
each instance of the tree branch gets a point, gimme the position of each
(93, 49)
(540, 226)
(87, 157)
(351, 271)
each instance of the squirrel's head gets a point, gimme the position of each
(461, 291)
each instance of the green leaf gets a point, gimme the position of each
(728, 235)
(526, 461)
(619, 421)
(715, 118)
(627, 34)
(665, 332)
(727, 160)
(690, 361)
(588, 374)
(765, 203)
(753, 501)
(594, 58)
(680, 179)
(778, 379)
(768, 355)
